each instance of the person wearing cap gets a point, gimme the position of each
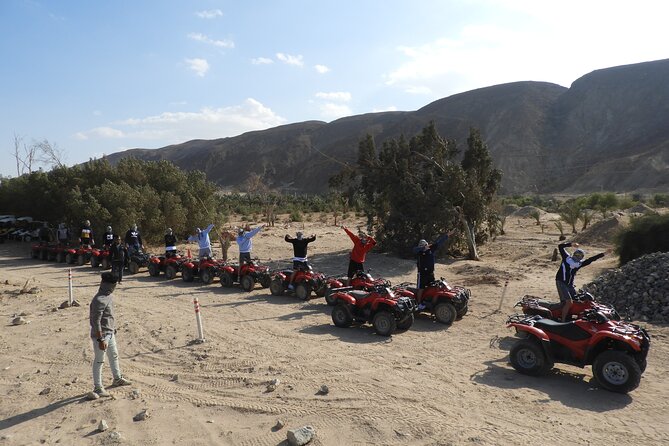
(108, 237)
(244, 236)
(202, 238)
(362, 243)
(86, 234)
(564, 279)
(170, 243)
(133, 240)
(117, 255)
(425, 260)
(299, 253)
(103, 335)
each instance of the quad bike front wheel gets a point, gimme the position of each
(341, 316)
(329, 297)
(617, 371)
(384, 323)
(276, 287)
(60, 257)
(81, 259)
(154, 270)
(133, 267)
(105, 263)
(406, 323)
(207, 276)
(247, 282)
(461, 312)
(187, 275)
(528, 358)
(69, 258)
(170, 272)
(95, 262)
(226, 279)
(265, 280)
(303, 291)
(445, 313)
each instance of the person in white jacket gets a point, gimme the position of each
(202, 238)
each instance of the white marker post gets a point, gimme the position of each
(69, 286)
(501, 300)
(198, 319)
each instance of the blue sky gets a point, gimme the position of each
(97, 77)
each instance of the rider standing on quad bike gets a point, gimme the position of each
(425, 261)
(117, 256)
(86, 234)
(299, 254)
(170, 243)
(133, 240)
(245, 243)
(564, 279)
(108, 237)
(202, 238)
(362, 244)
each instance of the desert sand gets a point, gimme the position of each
(431, 385)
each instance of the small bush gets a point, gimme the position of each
(296, 216)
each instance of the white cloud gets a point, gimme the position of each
(341, 96)
(290, 60)
(384, 109)
(176, 127)
(210, 14)
(322, 69)
(200, 66)
(418, 89)
(330, 110)
(261, 61)
(208, 40)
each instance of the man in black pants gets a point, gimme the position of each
(299, 254)
(564, 279)
(117, 256)
(425, 261)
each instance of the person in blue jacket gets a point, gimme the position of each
(245, 243)
(425, 261)
(202, 238)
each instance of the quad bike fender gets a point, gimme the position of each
(334, 283)
(281, 276)
(383, 302)
(530, 330)
(343, 297)
(155, 260)
(629, 341)
(189, 265)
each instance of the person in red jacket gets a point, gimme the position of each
(362, 243)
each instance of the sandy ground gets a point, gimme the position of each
(431, 385)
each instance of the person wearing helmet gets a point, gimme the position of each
(170, 243)
(86, 234)
(202, 238)
(425, 261)
(564, 279)
(362, 244)
(245, 243)
(133, 240)
(108, 237)
(299, 253)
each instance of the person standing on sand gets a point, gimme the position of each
(117, 255)
(103, 334)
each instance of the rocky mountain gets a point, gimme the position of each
(608, 131)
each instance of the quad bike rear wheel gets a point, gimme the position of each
(187, 275)
(342, 316)
(384, 323)
(247, 282)
(303, 291)
(207, 276)
(406, 323)
(95, 262)
(445, 313)
(226, 279)
(105, 263)
(276, 287)
(60, 257)
(529, 358)
(154, 270)
(133, 267)
(329, 297)
(170, 272)
(265, 280)
(69, 258)
(617, 371)
(81, 259)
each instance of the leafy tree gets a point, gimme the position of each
(570, 212)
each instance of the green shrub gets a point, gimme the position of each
(296, 215)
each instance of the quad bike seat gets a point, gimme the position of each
(550, 305)
(358, 294)
(567, 330)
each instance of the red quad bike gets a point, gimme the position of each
(204, 267)
(616, 350)
(100, 257)
(56, 252)
(306, 281)
(169, 265)
(360, 281)
(39, 251)
(247, 275)
(381, 306)
(583, 301)
(446, 302)
(80, 256)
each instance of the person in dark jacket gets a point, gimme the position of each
(170, 243)
(117, 256)
(108, 237)
(103, 334)
(425, 261)
(564, 279)
(86, 234)
(362, 243)
(299, 253)
(133, 240)
(44, 234)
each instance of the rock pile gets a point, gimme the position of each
(639, 289)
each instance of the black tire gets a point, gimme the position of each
(60, 257)
(170, 272)
(154, 269)
(406, 323)
(303, 291)
(342, 316)
(187, 275)
(95, 261)
(265, 280)
(69, 258)
(276, 287)
(226, 279)
(616, 371)
(461, 313)
(81, 259)
(320, 292)
(642, 363)
(329, 297)
(207, 276)
(133, 267)
(384, 323)
(528, 358)
(105, 263)
(247, 282)
(445, 313)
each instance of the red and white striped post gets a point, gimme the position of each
(198, 319)
(69, 286)
(501, 300)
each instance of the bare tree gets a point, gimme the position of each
(38, 153)
(50, 154)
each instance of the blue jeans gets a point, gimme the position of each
(99, 360)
